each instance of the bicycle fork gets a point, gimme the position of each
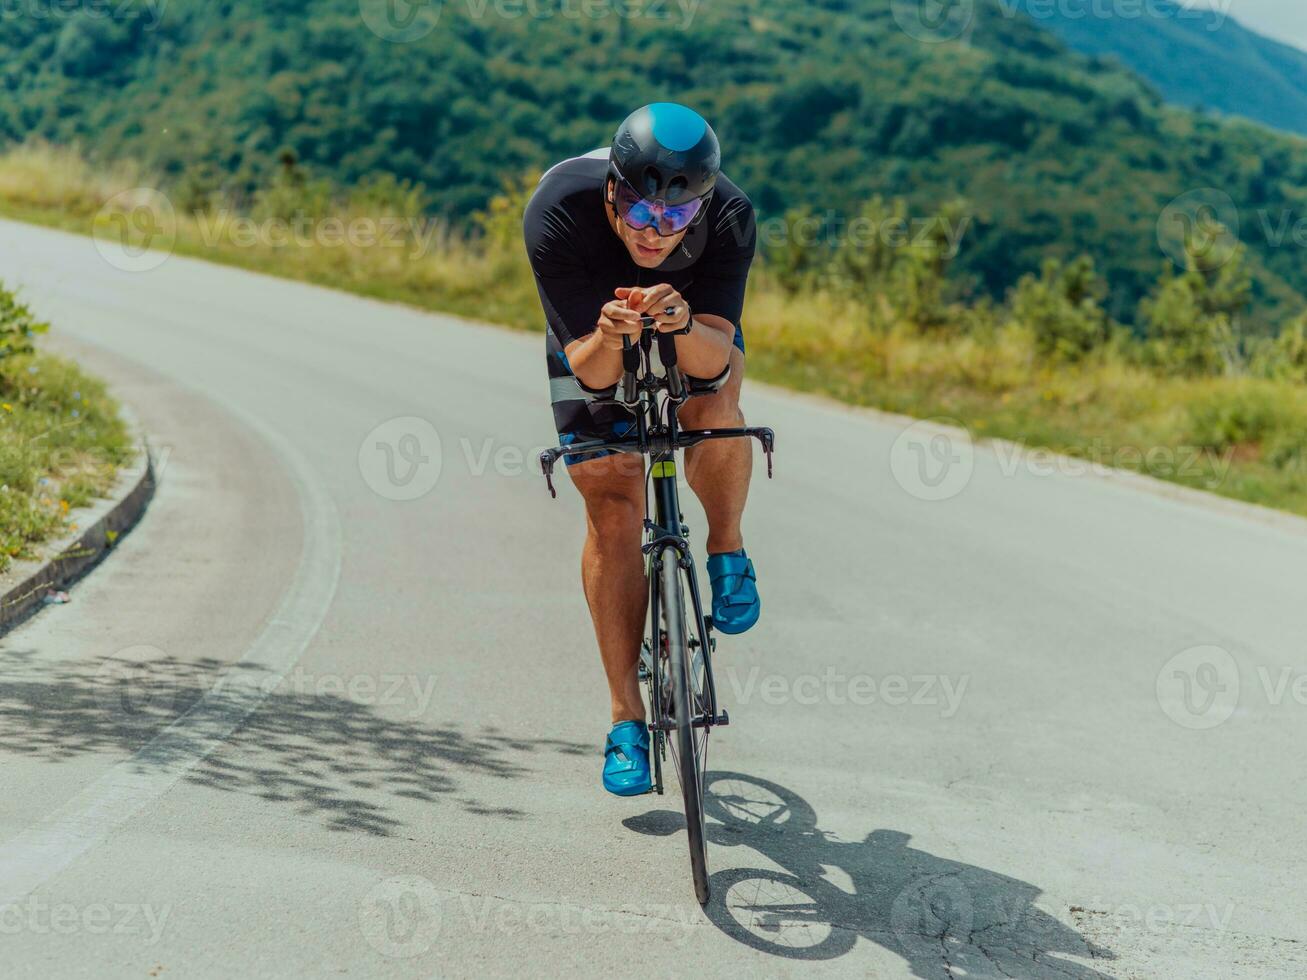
(667, 535)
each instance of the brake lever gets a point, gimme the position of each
(768, 440)
(547, 466)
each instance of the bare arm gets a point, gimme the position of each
(596, 359)
(706, 350)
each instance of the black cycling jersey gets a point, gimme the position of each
(579, 262)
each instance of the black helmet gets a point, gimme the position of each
(666, 152)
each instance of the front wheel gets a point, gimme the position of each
(689, 743)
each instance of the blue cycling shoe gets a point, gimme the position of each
(626, 759)
(735, 602)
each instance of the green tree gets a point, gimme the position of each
(1062, 308)
(1194, 318)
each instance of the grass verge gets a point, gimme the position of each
(61, 443)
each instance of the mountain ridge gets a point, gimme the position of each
(1196, 58)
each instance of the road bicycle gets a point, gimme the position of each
(676, 657)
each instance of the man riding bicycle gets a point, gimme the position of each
(649, 228)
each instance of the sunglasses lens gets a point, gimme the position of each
(639, 213)
(634, 210)
(679, 217)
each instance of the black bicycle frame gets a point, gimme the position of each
(660, 441)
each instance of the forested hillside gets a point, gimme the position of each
(1196, 57)
(819, 104)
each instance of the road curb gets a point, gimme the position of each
(79, 552)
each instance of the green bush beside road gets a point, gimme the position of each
(61, 437)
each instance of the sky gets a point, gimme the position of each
(1284, 20)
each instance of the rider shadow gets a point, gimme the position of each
(945, 918)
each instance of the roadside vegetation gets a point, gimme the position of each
(1186, 393)
(61, 438)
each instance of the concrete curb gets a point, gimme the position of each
(77, 553)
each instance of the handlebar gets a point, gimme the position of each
(666, 354)
(652, 444)
(630, 364)
(667, 439)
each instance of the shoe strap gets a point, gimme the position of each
(728, 573)
(719, 565)
(625, 743)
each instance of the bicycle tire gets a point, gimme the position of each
(689, 762)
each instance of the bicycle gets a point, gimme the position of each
(675, 660)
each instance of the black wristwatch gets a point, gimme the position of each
(689, 324)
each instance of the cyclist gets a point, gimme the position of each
(647, 227)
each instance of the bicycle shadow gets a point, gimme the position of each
(944, 917)
(347, 762)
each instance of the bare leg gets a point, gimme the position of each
(612, 571)
(718, 471)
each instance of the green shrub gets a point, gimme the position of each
(1193, 319)
(1247, 412)
(17, 326)
(1287, 449)
(500, 224)
(793, 254)
(293, 195)
(1285, 357)
(383, 195)
(1061, 307)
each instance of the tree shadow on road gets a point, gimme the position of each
(945, 918)
(347, 757)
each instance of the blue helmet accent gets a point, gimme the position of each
(677, 127)
(666, 152)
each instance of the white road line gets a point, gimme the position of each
(39, 853)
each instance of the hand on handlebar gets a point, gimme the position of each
(617, 320)
(662, 303)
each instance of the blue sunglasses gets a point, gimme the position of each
(639, 212)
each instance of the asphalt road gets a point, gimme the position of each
(335, 707)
